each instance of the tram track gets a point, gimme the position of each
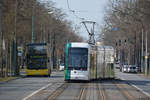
(63, 88)
(115, 89)
(96, 90)
(58, 92)
(101, 92)
(83, 92)
(123, 90)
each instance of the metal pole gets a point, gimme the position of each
(135, 56)
(33, 37)
(1, 36)
(16, 69)
(146, 56)
(142, 67)
(104, 63)
(14, 57)
(0, 18)
(53, 53)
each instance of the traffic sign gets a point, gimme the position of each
(19, 51)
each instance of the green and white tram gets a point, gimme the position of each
(76, 61)
(86, 62)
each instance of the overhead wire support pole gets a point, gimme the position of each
(142, 54)
(33, 35)
(15, 65)
(0, 18)
(1, 37)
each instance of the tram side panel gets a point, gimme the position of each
(100, 62)
(112, 63)
(93, 65)
(109, 63)
(105, 66)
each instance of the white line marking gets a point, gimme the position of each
(36, 91)
(147, 94)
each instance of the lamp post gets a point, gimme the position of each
(33, 35)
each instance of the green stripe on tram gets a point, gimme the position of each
(67, 72)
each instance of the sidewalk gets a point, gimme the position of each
(144, 76)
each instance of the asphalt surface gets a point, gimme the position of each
(25, 88)
(136, 80)
(97, 90)
(41, 88)
(71, 92)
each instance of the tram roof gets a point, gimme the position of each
(79, 44)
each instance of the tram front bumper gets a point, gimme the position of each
(79, 75)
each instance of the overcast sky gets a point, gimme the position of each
(92, 10)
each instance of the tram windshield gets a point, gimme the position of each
(78, 58)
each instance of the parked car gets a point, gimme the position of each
(117, 65)
(132, 68)
(61, 67)
(125, 68)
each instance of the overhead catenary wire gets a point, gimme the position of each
(78, 11)
(73, 11)
(84, 22)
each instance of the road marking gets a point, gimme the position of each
(122, 88)
(102, 93)
(147, 94)
(57, 92)
(82, 92)
(26, 98)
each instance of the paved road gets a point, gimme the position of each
(97, 90)
(24, 88)
(40, 88)
(135, 80)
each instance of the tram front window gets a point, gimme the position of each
(78, 58)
